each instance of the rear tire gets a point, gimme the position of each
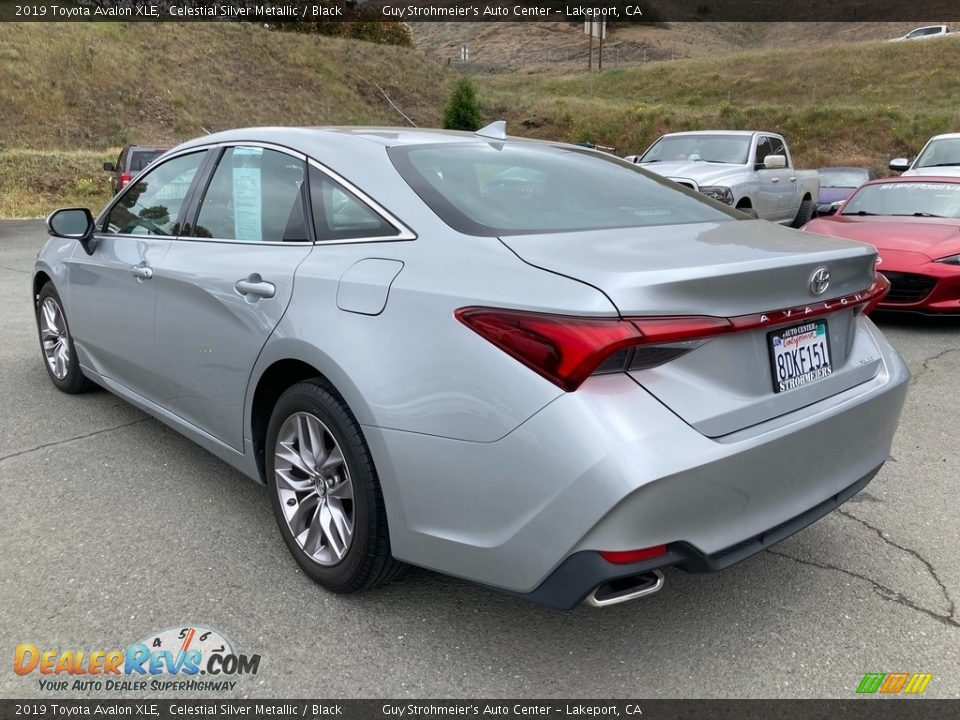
(325, 491)
(56, 344)
(804, 214)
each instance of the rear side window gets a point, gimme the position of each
(255, 195)
(508, 188)
(338, 214)
(152, 205)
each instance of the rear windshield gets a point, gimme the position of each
(503, 188)
(139, 159)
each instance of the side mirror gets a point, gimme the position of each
(900, 164)
(775, 162)
(73, 224)
(108, 167)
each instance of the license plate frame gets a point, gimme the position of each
(819, 340)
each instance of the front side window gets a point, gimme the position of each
(152, 205)
(504, 188)
(763, 149)
(777, 147)
(338, 214)
(255, 195)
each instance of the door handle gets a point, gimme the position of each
(774, 179)
(141, 272)
(255, 285)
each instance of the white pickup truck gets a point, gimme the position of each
(752, 171)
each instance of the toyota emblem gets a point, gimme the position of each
(820, 281)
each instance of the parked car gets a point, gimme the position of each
(131, 161)
(914, 223)
(837, 184)
(557, 393)
(924, 33)
(751, 171)
(940, 156)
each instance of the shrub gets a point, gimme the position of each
(463, 110)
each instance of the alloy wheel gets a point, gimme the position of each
(55, 338)
(315, 488)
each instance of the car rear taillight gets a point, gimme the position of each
(566, 350)
(124, 179)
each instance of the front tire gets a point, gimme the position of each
(325, 492)
(56, 343)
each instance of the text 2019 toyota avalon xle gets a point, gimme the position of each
(523, 363)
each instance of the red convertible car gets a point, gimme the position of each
(914, 222)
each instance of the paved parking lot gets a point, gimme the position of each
(113, 526)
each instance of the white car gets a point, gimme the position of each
(924, 33)
(940, 156)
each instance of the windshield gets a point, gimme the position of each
(728, 149)
(939, 153)
(907, 199)
(842, 178)
(503, 188)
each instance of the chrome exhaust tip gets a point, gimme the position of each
(624, 589)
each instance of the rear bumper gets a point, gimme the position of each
(610, 468)
(568, 585)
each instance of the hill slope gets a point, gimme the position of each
(100, 84)
(859, 103)
(70, 95)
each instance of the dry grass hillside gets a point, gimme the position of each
(70, 95)
(560, 47)
(844, 104)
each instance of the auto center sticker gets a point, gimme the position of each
(178, 659)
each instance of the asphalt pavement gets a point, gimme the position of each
(113, 526)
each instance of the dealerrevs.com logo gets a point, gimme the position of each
(178, 659)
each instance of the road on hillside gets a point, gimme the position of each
(113, 527)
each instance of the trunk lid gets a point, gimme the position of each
(723, 269)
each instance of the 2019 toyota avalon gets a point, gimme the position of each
(527, 364)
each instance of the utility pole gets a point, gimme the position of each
(603, 27)
(590, 53)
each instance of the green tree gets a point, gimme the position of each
(463, 110)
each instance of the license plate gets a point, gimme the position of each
(799, 355)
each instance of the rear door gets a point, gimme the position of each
(112, 290)
(223, 286)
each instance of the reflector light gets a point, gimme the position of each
(625, 557)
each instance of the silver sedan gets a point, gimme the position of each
(524, 363)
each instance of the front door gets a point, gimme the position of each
(112, 292)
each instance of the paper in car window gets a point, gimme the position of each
(247, 194)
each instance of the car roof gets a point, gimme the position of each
(946, 136)
(306, 136)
